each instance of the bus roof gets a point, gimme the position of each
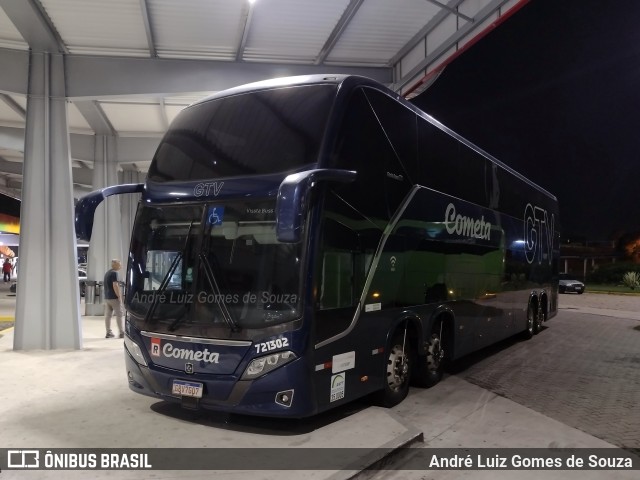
(280, 82)
(356, 81)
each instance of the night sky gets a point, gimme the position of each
(554, 92)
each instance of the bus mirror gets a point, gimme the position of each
(86, 206)
(293, 196)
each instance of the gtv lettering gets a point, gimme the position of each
(206, 189)
(539, 229)
(204, 355)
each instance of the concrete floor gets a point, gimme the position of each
(79, 399)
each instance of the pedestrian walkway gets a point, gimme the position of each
(80, 398)
(7, 306)
(620, 306)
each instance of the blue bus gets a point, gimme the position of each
(306, 241)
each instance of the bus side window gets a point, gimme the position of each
(339, 251)
(340, 270)
(397, 125)
(446, 165)
(373, 142)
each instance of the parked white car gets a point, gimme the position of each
(568, 284)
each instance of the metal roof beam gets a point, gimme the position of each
(94, 76)
(424, 31)
(14, 168)
(13, 105)
(14, 184)
(12, 138)
(91, 77)
(95, 117)
(163, 114)
(14, 65)
(340, 27)
(247, 14)
(34, 25)
(453, 10)
(148, 29)
(130, 149)
(82, 176)
(136, 149)
(461, 33)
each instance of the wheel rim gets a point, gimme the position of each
(436, 354)
(530, 321)
(397, 368)
(537, 322)
(541, 318)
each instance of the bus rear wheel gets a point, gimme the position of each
(397, 373)
(539, 318)
(530, 331)
(430, 369)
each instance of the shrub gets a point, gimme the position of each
(631, 280)
(612, 273)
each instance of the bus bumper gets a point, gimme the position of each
(284, 392)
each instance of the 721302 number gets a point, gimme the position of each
(271, 345)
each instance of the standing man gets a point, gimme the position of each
(6, 270)
(113, 299)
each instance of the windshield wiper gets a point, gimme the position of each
(163, 286)
(226, 314)
(165, 283)
(174, 325)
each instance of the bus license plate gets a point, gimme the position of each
(187, 389)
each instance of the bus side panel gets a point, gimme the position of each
(443, 251)
(480, 258)
(348, 369)
(446, 251)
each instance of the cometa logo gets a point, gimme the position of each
(466, 226)
(168, 350)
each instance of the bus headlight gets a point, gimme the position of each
(262, 365)
(135, 351)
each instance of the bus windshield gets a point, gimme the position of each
(269, 131)
(206, 269)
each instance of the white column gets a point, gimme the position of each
(48, 299)
(106, 238)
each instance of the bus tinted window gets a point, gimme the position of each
(366, 145)
(398, 126)
(263, 132)
(450, 166)
(349, 241)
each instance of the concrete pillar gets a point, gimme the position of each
(48, 298)
(106, 238)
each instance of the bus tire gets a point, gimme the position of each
(538, 319)
(431, 366)
(531, 320)
(397, 371)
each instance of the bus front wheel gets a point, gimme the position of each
(397, 373)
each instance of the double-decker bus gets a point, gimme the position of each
(305, 241)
